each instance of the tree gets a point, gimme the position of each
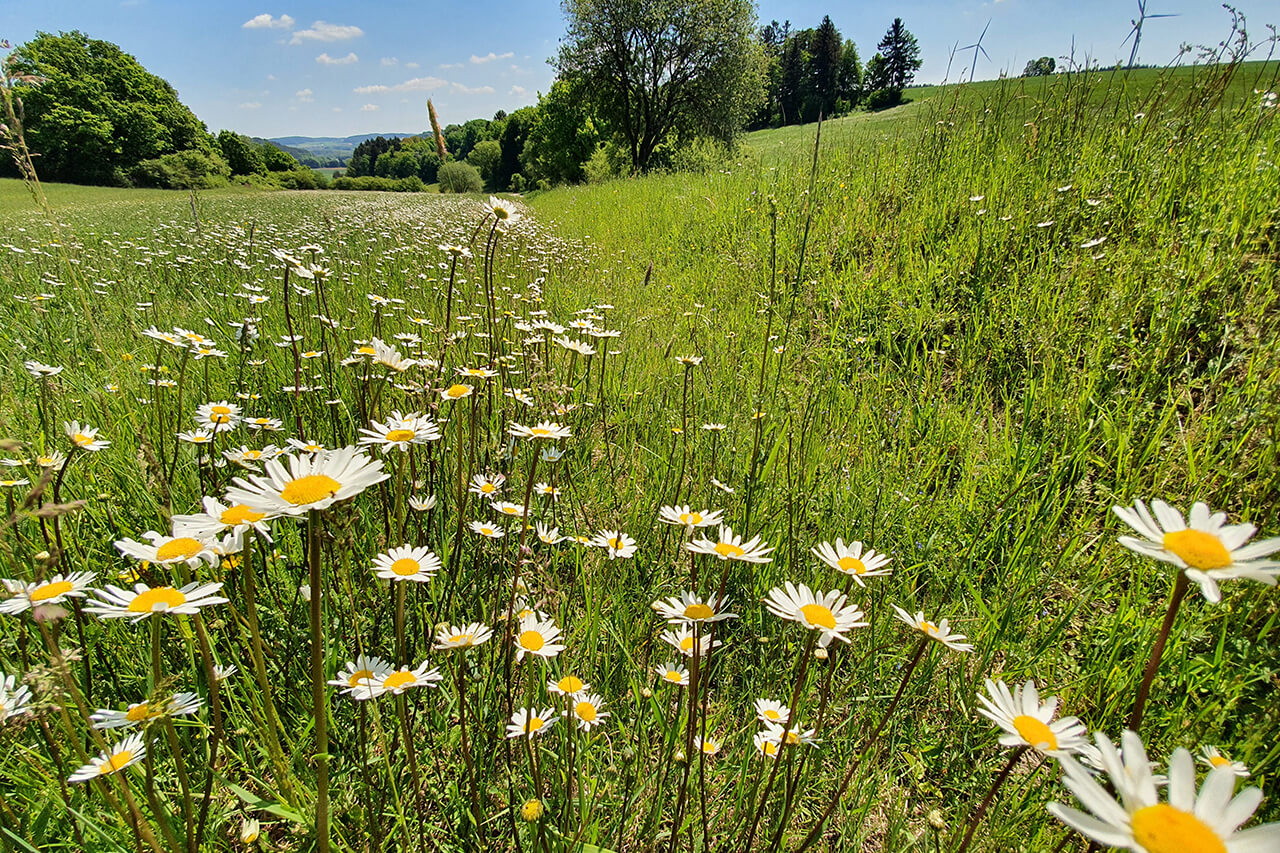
(664, 72)
(241, 154)
(458, 177)
(485, 157)
(792, 90)
(850, 82)
(901, 56)
(514, 134)
(825, 55)
(96, 112)
(1041, 67)
(562, 136)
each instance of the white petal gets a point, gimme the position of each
(1090, 826)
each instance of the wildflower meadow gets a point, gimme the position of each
(915, 489)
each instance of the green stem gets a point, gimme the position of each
(318, 703)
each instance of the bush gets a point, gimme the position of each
(517, 183)
(882, 99)
(181, 170)
(301, 179)
(412, 184)
(458, 177)
(703, 155)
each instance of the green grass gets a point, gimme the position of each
(962, 384)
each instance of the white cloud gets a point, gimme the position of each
(389, 61)
(250, 105)
(369, 108)
(266, 22)
(304, 95)
(518, 91)
(450, 66)
(326, 59)
(411, 65)
(417, 84)
(467, 90)
(480, 60)
(322, 31)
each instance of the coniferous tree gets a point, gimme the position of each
(825, 54)
(901, 55)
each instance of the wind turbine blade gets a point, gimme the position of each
(1165, 15)
(984, 52)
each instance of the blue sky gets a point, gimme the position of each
(282, 67)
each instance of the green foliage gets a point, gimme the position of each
(811, 72)
(1041, 67)
(458, 177)
(95, 112)
(515, 131)
(411, 184)
(486, 157)
(276, 159)
(901, 55)
(661, 73)
(562, 136)
(241, 154)
(182, 170)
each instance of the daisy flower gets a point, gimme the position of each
(1137, 820)
(548, 535)
(407, 563)
(218, 517)
(528, 722)
(200, 435)
(569, 685)
(689, 607)
(117, 603)
(765, 745)
(486, 485)
(731, 547)
(824, 612)
(14, 697)
(399, 680)
(462, 636)
(177, 705)
(55, 590)
(503, 211)
(399, 432)
(245, 457)
(38, 370)
(488, 531)
(537, 637)
(389, 357)
(770, 712)
(617, 543)
(421, 504)
(587, 711)
(708, 747)
(456, 391)
(852, 560)
(316, 482)
(358, 676)
(1028, 723)
(128, 751)
(1212, 757)
(681, 639)
(168, 550)
(548, 430)
(219, 417)
(250, 829)
(790, 737)
(507, 508)
(673, 673)
(547, 490)
(690, 520)
(1208, 549)
(306, 446)
(940, 631)
(85, 437)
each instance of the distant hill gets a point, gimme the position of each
(326, 148)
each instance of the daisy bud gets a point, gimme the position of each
(531, 810)
(936, 821)
(820, 654)
(249, 830)
(305, 591)
(646, 692)
(680, 757)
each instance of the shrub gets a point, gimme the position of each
(457, 177)
(517, 183)
(181, 170)
(882, 99)
(411, 184)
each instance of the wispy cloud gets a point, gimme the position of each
(518, 91)
(417, 84)
(322, 31)
(389, 61)
(467, 90)
(326, 59)
(304, 95)
(369, 108)
(267, 22)
(449, 66)
(251, 105)
(411, 65)
(480, 60)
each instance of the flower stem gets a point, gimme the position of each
(318, 703)
(1180, 587)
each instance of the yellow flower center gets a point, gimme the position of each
(182, 548)
(672, 675)
(156, 600)
(457, 391)
(220, 410)
(462, 639)
(51, 590)
(534, 724)
(501, 212)
(240, 514)
(770, 748)
(405, 567)
(698, 610)
(1198, 549)
(617, 544)
(511, 510)
(398, 679)
(817, 616)
(486, 531)
(310, 489)
(359, 676)
(686, 644)
(728, 549)
(928, 627)
(531, 640)
(366, 350)
(570, 684)
(488, 488)
(772, 715)
(81, 440)
(852, 565)
(791, 738)
(1035, 732)
(710, 747)
(216, 418)
(531, 810)
(585, 711)
(1163, 829)
(138, 712)
(540, 431)
(691, 517)
(1219, 761)
(115, 762)
(400, 435)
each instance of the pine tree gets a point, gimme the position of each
(901, 56)
(825, 52)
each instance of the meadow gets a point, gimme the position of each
(958, 334)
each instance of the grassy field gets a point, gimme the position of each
(981, 322)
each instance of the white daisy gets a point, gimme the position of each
(85, 437)
(681, 639)
(731, 547)
(531, 722)
(852, 560)
(462, 636)
(1026, 722)
(357, 678)
(587, 710)
(547, 430)
(568, 685)
(824, 612)
(117, 603)
(1208, 549)
(537, 637)
(673, 673)
(489, 531)
(616, 543)
(398, 681)
(127, 752)
(56, 589)
(219, 417)
(940, 631)
(689, 607)
(690, 520)
(316, 482)
(177, 705)
(407, 563)
(400, 432)
(487, 485)
(168, 550)
(219, 517)
(14, 697)
(771, 712)
(1212, 757)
